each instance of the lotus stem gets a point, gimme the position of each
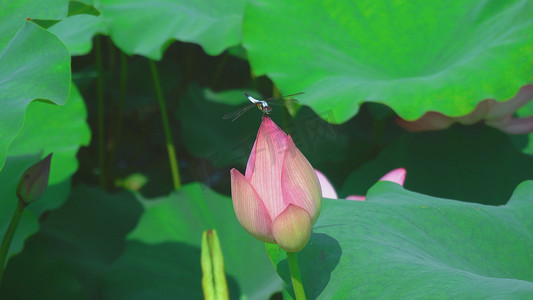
(100, 111)
(170, 145)
(296, 278)
(8, 237)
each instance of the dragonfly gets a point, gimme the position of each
(262, 105)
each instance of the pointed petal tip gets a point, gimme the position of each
(396, 176)
(270, 126)
(49, 156)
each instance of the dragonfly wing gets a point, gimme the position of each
(282, 102)
(291, 95)
(235, 114)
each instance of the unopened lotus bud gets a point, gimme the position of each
(279, 198)
(33, 183)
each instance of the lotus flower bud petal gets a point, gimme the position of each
(292, 229)
(267, 157)
(300, 184)
(33, 183)
(249, 209)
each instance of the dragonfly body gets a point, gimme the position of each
(262, 105)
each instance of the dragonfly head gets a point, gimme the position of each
(266, 109)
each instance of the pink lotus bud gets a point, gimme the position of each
(279, 197)
(33, 183)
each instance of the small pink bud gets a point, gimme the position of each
(33, 183)
(279, 197)
(396, 176)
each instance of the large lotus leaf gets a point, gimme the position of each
(60, 129)
(468, 163)
(403, 245)
(54, 128)
(414, 56)
(160, 271)
(182, 216)
(148, 27)
(34, 65)
(13, 15)
(76, 243)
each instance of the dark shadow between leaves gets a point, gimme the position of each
(322, 255)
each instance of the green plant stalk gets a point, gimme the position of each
(119, 117)
(208, 282)
(170, 145)
(100, 112)
(296, 278)
(8, 237)
(214, 283)
(122, 91)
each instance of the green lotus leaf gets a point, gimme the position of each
(29, 72)
(414, 56)
(79, 7)
(148, 27)
(58, 129)
(401, 244)
(14, 14)
(158, 271)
